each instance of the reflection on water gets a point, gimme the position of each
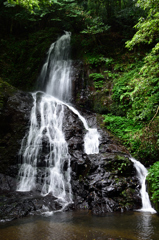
(82, 225)
(146, 226)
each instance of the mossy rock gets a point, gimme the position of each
(6, 90)
(120, 165)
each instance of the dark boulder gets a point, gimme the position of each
(15, 205)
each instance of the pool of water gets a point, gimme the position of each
(82, 225)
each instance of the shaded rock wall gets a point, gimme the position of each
(86, 96)
(14, 119)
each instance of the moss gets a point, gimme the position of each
(127, 194)
(100, 102)
(119, 165)
(80, 178)
(6, 90)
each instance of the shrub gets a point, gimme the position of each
(153, 179)
(97, 79)
(124, 128)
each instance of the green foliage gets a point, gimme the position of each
(96, 76)
(98, 79)
(109, 9)
(95, 61)
(98, 60)
(29, 4)
(111, 75)
(147, 28)
(136, 100)
(96, 26)
(138, 89)
(119, 165)
(108, 62)
(145, 93)
(66, 13)
(153, 179)
(99, 84)
(122, 87)
(149, 142)
(122, 167)
(123, 127)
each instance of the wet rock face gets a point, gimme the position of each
(82, 88)
(14, 121)
(103, 182)
(103, 190)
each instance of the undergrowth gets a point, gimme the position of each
(136, 94)
(125, 129)
(153, 179)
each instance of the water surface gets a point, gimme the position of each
(82, 225)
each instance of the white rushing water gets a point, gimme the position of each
(46, 122)
(141, 174)
(91, 139)
(48, 129)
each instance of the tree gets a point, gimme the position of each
(108, 9)
(148, 33)
(145, 92)
(147, 28)
(30, 4)
(66, 14)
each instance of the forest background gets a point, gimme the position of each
(118, 42)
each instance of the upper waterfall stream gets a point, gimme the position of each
(46, 129)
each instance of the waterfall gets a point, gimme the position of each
(44, 146)
(91, 139)
(45, 159)
(55, 77)
(141, 174)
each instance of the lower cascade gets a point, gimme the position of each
(141, 174)
(44, 154)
